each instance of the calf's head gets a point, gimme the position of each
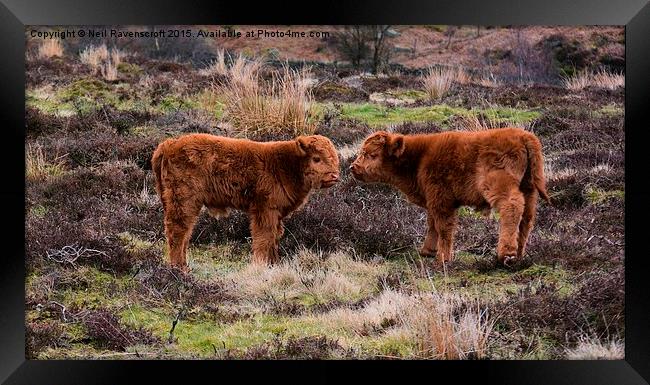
(321, 162)
(378, 152)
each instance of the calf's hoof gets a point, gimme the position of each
(508, 260)
(181, 268)
(427, 253)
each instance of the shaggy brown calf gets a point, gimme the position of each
(267, 180)
(500, 169)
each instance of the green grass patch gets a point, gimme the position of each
(538, 275)
(48, 104)
(398, 96)
(389, 346)
(87, 93)
(377, 115)
(38, 211)
(611, 110)
(196, 338)
(173, 103)
(94, 289)
(596, 195)
(209, 261)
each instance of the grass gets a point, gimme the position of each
(600, 79)
(438, 81)
(101, 59)
(398, 97)
(218, 66)
(285, 105)
(378, 116)
(591, 348)
(597, 196)
(37, 166)
(50, 48)
(309, 279)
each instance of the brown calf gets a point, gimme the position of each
(500, 169)
(267, 180)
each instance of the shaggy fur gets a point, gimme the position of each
(500, 169)
(267, 180)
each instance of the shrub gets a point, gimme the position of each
(343, 131)
(105, 330)
(340, 92)
(40, 335)
(304, 348)
(374, 219)
(163, 281)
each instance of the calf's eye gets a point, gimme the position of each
(316, 159)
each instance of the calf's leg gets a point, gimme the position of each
(445, 227)
(501, 190)
(527, 220)
(265, 230)
(179, 222)
(431, 239)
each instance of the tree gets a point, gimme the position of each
(352, 44)
(359, 43)
(381, 50)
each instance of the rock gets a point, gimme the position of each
(392, 33)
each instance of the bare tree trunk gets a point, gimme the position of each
(380, 34)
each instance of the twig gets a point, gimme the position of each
(63, 309)
(171, 332)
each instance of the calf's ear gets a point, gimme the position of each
(396, 145)
(303, 144)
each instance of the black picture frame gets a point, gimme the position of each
(16, 14)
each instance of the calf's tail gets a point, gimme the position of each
(536, 165)
(157, 167)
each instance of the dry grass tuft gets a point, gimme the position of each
(462, 76)
(438, 81)
(94, 56)
(442, 325)
(386, 309)
(37, 166)
(50, 48)
(599, 79)
(217, 67)
(102, 59)
(284, 106)
(323, 278)
(449, 327)
(473, 121)
(489, 81)
(595, 349)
